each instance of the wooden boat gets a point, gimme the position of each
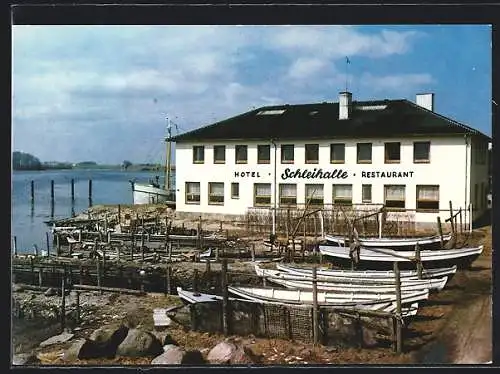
(396, 243)
(369, 274)
(388, 255)
(384, 305)
(345, 284)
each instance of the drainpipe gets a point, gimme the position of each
(466, 175)
(274, 190)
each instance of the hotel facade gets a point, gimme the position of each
(394, 153)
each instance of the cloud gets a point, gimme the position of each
(397, 82)
(117, 84)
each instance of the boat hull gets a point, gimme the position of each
(149, 194)
(428, 242)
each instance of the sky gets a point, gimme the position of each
(104, 93)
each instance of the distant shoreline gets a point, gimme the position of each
(98, 167)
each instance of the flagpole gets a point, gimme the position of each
(346, 73)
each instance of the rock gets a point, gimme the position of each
(169, 340)
(193, 357)
(82, 349)
(227, 352)
(369, 338)
(61, 338)
(108, 338)
(25, 359)
(139, 343)
(172, 355)
(50, 292)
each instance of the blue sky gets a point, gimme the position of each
(103, 93)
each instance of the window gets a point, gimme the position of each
(263, 154)
(288, 194)
(366, 193)
(342, 194)
(241, 154)
(314, 194)
(392, 152)
(192, 192)
(394, 196)
(312, 153)
(287, 154)
(219, 154)
(337, 153)
(216, 193)
(421, 152)
(427, 197)
(364, 153)
(198, 154)
(235, 190)
(262, 194)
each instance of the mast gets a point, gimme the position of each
(169, 148)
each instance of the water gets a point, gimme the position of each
(28, 222)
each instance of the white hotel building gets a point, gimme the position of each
(391, 152)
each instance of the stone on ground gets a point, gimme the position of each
(227, 352)
(25, 359)
(61, 338)
(108, 338)
(139, 343)
(82, 349)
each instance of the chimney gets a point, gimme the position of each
(345, 105)
(426, 100)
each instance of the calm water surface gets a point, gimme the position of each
(108, 187)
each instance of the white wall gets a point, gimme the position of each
(446, 169)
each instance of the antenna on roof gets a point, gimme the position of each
(347, 62)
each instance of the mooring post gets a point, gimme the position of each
(77, 294)
(419, 261)
(32, 266)
(253, 252)
(72, 190)
(195, 280)
(451, 219)
(48, 243)
(52, 191)
(460, 216)
(63, 300)
(90, 192)
(40, 276)
(207, 267)
(15, 245)
(440, 230)
(225, 298)
(397, 280)
(315, 306)
(169, 280)
(58, 245)
(32, 192)
(119, 214)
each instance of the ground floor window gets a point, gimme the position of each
(216, 193)
(262, 194)
(314, 194)
(342, 194)
(366, 193)
(288, 194)
(192, 192)
(394, 196)
(235, 190)
(427, 197)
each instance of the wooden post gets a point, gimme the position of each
(169, 281)
(15, 245)
(440, 230)
(52, 191)
(217, 254)
(315, 305)
(47, 242)
(460, 216)
(225, 299)
(63, 301)
(397, 280)
(58, 245)
(32, 266)
(451, 219)
(419, 262)
(195, 280)
(119, 214)
(81, 274)
(133, 246)
(253, 252)
(72, 190)
(77, 307)
(220, 226)
(32, 192)
(98, 269)
(170, 251)
(90, 192)
(207, 267)
(40, 276)
(142, 244)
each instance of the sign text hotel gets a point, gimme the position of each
(327, 174)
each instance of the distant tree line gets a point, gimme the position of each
(25, 161)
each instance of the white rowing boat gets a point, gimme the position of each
(389, 255)
(368, 274)
(304, 282)
(389, 242)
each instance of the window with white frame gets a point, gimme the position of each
(263, 154)
(314, 194)
(198, 154)
(392, 152)
(342, 194)
(219, 154)
(262, 194)
(287, 154)
(366, 193)
(288, 194)
(192, 192)
(428, 197)
(421, 152)
(241, 154)
(394, 196)
(216, 193)
(364, 153)
(235, 190)
(337, 153)
(312, 153)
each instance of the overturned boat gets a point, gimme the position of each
(426, 242)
